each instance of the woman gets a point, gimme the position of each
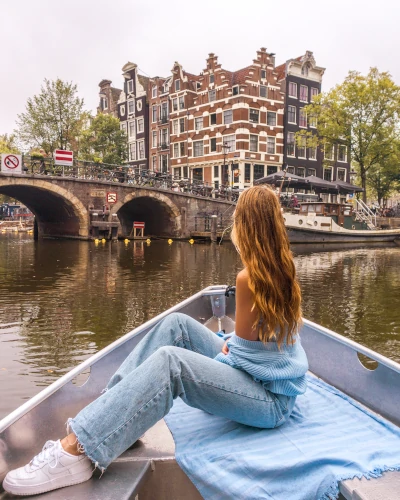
(252, 378)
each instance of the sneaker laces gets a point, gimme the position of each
(48, 452)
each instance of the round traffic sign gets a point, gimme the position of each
(11, 162)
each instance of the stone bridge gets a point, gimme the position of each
(73, 208)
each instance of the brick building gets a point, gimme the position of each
(108, 98)
(301, 80)
(227, 127)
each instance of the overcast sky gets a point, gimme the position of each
(85, 41)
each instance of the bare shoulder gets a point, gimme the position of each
(242, 282)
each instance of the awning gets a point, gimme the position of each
(346, 187)
(278, 177)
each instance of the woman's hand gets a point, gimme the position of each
(225, 348)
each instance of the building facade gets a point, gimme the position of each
(301, 80)
(226, 127)
(108, 98)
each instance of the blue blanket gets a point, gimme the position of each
(328, 438)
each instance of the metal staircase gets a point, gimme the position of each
(364, 214)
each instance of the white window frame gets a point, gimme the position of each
(181, 102)
(238, 90)
(129, 86)
(303, 169)
(154, 162)
(131, 124)
(313, 93)
(140, 125)
(212, 92)
(271, 140)
(213, 139)
(303, 87)
(339, 147)
(258, 115)
(295, 86)
(182, 120)
(175, 126)
(310, 157)
(154, 139)
(212, 76)
(176, 150)
(302, 148)
(177, 85)
(272, 113)
(154, 113)
(154, 91)
(231, 114)
(231, 142)
(175, 105)
(294, 144)
(295, 114)
(201, 145)
(266, 91)
(132, 151)
(340, 169)
(311, 171)
(302, 115)
(141, 150)
(263, 71)
(257, 143)
(198, 123)
(326, 169)
(131, 104)
(332, 152)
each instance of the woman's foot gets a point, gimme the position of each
(52, 468)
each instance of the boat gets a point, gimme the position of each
(322, 222)
(148, 470)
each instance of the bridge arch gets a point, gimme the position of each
(58, 212)
(160, 214)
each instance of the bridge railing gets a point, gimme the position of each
(130, 175)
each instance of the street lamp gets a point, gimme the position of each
(226, 148)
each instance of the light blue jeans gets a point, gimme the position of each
(175, 359)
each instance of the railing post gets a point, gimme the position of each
(214, 228)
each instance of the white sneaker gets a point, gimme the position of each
(53, 468)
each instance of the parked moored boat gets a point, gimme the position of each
(148, 469)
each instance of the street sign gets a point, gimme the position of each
(111, 198)
(11, 163)
(138, 225)
(62, 157)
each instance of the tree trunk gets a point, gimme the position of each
(363, 183)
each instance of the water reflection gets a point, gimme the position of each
(61, 301)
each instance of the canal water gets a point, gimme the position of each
(62, 301)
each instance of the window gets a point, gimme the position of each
(212, 95)
(304, 93)
(314, 92)
(185, 173)
(131, 107)
(154, 114)
(164, 163)
(176, 150)
(247, 172)
(292, 89)
(327, 173)
(328, 152)
(258, 172)
(175, 126)
(154, 92)
(213, 144)
(141, 150)
(164, 138)
(181, 125)
(211, 79)
(213, 119)
(304, 70)
(123, 127)
(290, 144)
(177, 85)
(342, 153)
(290, 170)
(254, 143)
(235, 90)
(292, 114)
(302, 146)
(312, 153)
(302, 118)
(228, 116)
(104, 103)
(216, 170)
(154, 162)
(198, 123)
(230, 143)
(122, 110)
(197, 174)
(181, 102)
(263, 74)
(177, 172)
(301, 171)
(132, 151)
(254, 115)
(198, 149)
(312, 171)
(271, 169)
(271, 145)
(341, 174)
(140, 125)
(263, 91)
(175, 104)
(312, 121)
(271, 118)
(154, 139)
(198, 86)
(130, 86)
(182, 148)
(164, 112)
(132, 128)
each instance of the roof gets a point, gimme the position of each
(281, 71)
(115, 93)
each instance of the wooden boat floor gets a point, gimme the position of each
(149, 471)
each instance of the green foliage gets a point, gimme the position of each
(52, 119)
(362, 113)
(104, 141)
(8, 144)
(384, 178)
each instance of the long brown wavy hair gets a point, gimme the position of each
(260, 236)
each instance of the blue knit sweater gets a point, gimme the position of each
(282, 371)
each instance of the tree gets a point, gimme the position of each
(104, 141)
(8, 144)
(52, 118)
(363, 114)
(384, 178)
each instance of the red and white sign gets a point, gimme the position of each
(62, 157)
(138, 225)
(111, 197)
(11, 163)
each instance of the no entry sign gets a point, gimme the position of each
(111, 197)
(11, 163)
(62, 157)
(138, 225)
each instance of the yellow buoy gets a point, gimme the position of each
(169, 241)
(126, 241)
(96, 240)
(103, 240)
(191, 241)
(148, 241)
